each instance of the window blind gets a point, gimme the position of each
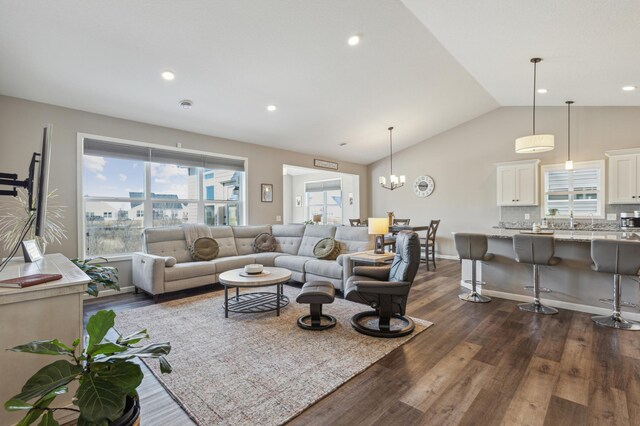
(328, 185)
(100, 148)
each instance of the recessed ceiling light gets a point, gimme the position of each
(542, 90)
(343, 144)
(168, 75)
(629, 88)
(353, 40)
(186, 104)
(271, 108)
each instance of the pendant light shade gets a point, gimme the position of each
(568, 165)
(534, 143)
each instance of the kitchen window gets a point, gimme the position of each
(580, 190)
(140, 185)
(324, 201)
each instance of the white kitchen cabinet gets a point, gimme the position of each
(624, 176)
(518, 183)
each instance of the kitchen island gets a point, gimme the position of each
(574, 285)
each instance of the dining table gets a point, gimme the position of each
(394, 229)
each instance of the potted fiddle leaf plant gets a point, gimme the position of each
(105, 370)
(101, 276)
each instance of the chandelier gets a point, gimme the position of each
(394, 181)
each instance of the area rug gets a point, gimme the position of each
(253, 369)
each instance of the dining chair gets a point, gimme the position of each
(429, 244)
(355, 222)
(401, 222)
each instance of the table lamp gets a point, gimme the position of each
(378, 226)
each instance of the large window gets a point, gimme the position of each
(579, 190)
(324, 201)
(127, 187)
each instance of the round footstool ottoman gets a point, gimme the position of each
(316, 294)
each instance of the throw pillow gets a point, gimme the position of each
(326, 249)
(264, 243)
(169, 261)
(204, 248)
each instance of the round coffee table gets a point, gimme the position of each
(256, 301)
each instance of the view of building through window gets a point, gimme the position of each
(119, 202)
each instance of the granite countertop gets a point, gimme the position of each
(562, 235)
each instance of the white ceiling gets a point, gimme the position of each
(423, 68)
(590, 48)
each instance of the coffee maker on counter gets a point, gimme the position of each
(630, 220)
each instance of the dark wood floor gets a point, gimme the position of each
(480, 364)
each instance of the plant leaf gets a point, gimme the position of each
(48, 379)
(44, 347)
(154, 350)
(99, 399)
(42, 404)
(84, 422)
(48, 420)
(134, 338)
(98, 326)
(127, 376)
(165, 367)
(106, 348)
(16, 405)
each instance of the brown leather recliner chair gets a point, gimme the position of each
(386, 289)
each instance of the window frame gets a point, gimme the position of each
(307, 206)
(599, 164)
(147, 200)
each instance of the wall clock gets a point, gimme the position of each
(423, 186)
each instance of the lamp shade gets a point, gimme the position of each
(534, 143)
(378, 225)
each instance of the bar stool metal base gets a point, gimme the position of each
(616, 321)
(474, 297)
(537, 308)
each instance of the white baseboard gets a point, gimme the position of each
(447, 256)
(635, 316)
(110, 292)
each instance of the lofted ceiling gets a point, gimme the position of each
(423, 66)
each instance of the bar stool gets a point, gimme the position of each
(472, 247)
(536, 250)
(617, 258)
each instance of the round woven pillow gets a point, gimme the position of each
(326, 249)
(204, 248)
(264, 242)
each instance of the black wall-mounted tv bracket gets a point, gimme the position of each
(11, 179)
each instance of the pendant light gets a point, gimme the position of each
(568, 165)
(534, 143)
(394, 182)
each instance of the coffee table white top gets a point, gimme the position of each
(234, 279)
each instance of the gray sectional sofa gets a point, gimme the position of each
(155, 273)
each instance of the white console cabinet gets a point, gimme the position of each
(518, 183)
(41, 312)
(624, 176)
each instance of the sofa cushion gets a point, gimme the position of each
(292, 263)
(327, 249)
(224, 264)
(224, 237)
(324, 268)
(264, 243)
(246, 235)
(181, 271)
(204, 248)
(166, 242)
(288, 237)
(267, 258)
(313, 234)
(354, 239)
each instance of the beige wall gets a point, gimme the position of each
(21, 124)
(461, 161)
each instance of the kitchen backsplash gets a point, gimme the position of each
(514, 217)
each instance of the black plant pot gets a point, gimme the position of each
(131, 415)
